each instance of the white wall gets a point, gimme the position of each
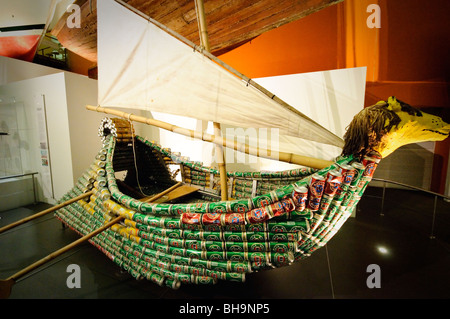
(24, 12)
(83, 124)
(13, 70)
(30, 94)
(10, 163)
(72, 130)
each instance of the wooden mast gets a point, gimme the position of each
(217, 130)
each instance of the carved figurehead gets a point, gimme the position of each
(387, 125)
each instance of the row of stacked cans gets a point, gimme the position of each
(342, 189)
(323, 190)
(318, 197)
(256, 215)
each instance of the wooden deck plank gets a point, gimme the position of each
(178, 192)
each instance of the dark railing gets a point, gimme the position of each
(436, 196)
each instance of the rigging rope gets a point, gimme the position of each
(134, 156)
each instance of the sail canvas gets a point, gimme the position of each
(330, 98)
(150, 69)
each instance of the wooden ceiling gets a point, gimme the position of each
(230, 23)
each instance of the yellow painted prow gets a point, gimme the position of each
(390, 124)
(414, 127)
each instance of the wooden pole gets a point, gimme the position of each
(6, 284)
(203, 29)
(164, 192)
(217, 130)
(279, 156)
(221, 163)
(44, 212)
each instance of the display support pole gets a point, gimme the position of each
(217, 130)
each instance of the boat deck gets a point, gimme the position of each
(412, 265)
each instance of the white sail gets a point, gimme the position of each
(141, 66)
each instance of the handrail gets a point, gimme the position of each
(410, 186)
(436, 195)
(22, 175)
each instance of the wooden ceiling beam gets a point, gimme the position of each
(230, 23)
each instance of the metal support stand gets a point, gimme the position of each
(436, 196)
(382, 199)
(34, 188)
(434, 218)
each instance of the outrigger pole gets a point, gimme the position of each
(219, 140)
(200, 9)
(44, 212)
(6, 284)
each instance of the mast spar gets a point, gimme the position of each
(200, 10)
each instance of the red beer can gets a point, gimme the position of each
(191, 218)
(316, 188)
(370, 164)
(348, 173)
(299, 196)
(211, 218)
(333, 180)
(277, 208)
(235, 219)
(257, 215)
(288, 205)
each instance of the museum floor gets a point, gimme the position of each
(411, 264)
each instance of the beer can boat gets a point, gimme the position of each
(177, 229)
(198, 238)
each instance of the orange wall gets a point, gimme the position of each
(78, 64)
(407, 57)
(413, 46)
(416, 40)
(306, 45)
